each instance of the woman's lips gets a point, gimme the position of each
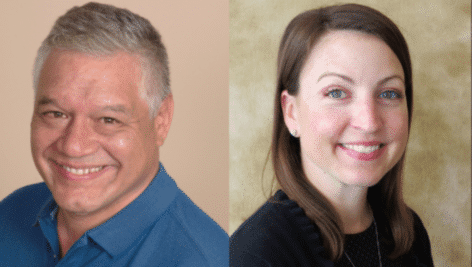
(365, 151)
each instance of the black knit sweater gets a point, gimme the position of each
(280, 234)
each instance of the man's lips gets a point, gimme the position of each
(79, 170)
(82, 171)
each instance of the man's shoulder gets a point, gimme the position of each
(24, 202)
(200, 231)
(182, 235)
(22, 244)
(193, 218)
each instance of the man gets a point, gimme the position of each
(102, 109)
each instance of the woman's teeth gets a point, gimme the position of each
(362, 149)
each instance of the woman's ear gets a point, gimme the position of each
(290, 112)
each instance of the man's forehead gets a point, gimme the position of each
(118, 65)
(110, 82)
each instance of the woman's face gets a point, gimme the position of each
(351, 110)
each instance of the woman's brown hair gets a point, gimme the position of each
(385, 198)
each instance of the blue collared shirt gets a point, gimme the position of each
(162, 227)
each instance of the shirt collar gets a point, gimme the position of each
(47, 212)
(46, 220)
(120, 231)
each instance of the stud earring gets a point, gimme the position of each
(294, 133)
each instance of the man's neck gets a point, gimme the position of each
(69, 230)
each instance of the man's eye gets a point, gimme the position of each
(54, 114)
(108, 120)
(390, 95)
(337, 93)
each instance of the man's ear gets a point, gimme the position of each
(290, 112)
(163, 119)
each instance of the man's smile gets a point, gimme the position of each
(82, 171)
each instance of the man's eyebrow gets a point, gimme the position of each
(116, 108)
(45, 101)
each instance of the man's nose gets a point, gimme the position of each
(78, 139)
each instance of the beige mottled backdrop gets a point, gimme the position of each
(196, 35)
(438, 171)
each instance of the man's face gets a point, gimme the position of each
(92, 138)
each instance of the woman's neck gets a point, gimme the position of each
(349, 201)
(352, 207)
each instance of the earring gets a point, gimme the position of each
(294, 133)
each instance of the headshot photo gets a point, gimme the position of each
(116, 153)
(350, 133)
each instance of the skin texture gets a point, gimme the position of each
(351, 92)
(89, 114)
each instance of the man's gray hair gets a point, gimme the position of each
(99, 29)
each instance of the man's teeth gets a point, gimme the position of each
(362, 149)
(82, 171)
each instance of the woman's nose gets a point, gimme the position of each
(366, 116)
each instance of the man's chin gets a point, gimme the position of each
(78, 204)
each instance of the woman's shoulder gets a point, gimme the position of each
(421, 250)
(270, 216)
(277, 234)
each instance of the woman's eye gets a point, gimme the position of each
(336, 93)
(390, 95)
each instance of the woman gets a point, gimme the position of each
(342, 117)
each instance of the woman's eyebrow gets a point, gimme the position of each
(385, 80)
(350, 80)
(344, 77)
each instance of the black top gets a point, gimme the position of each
(280, 234)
